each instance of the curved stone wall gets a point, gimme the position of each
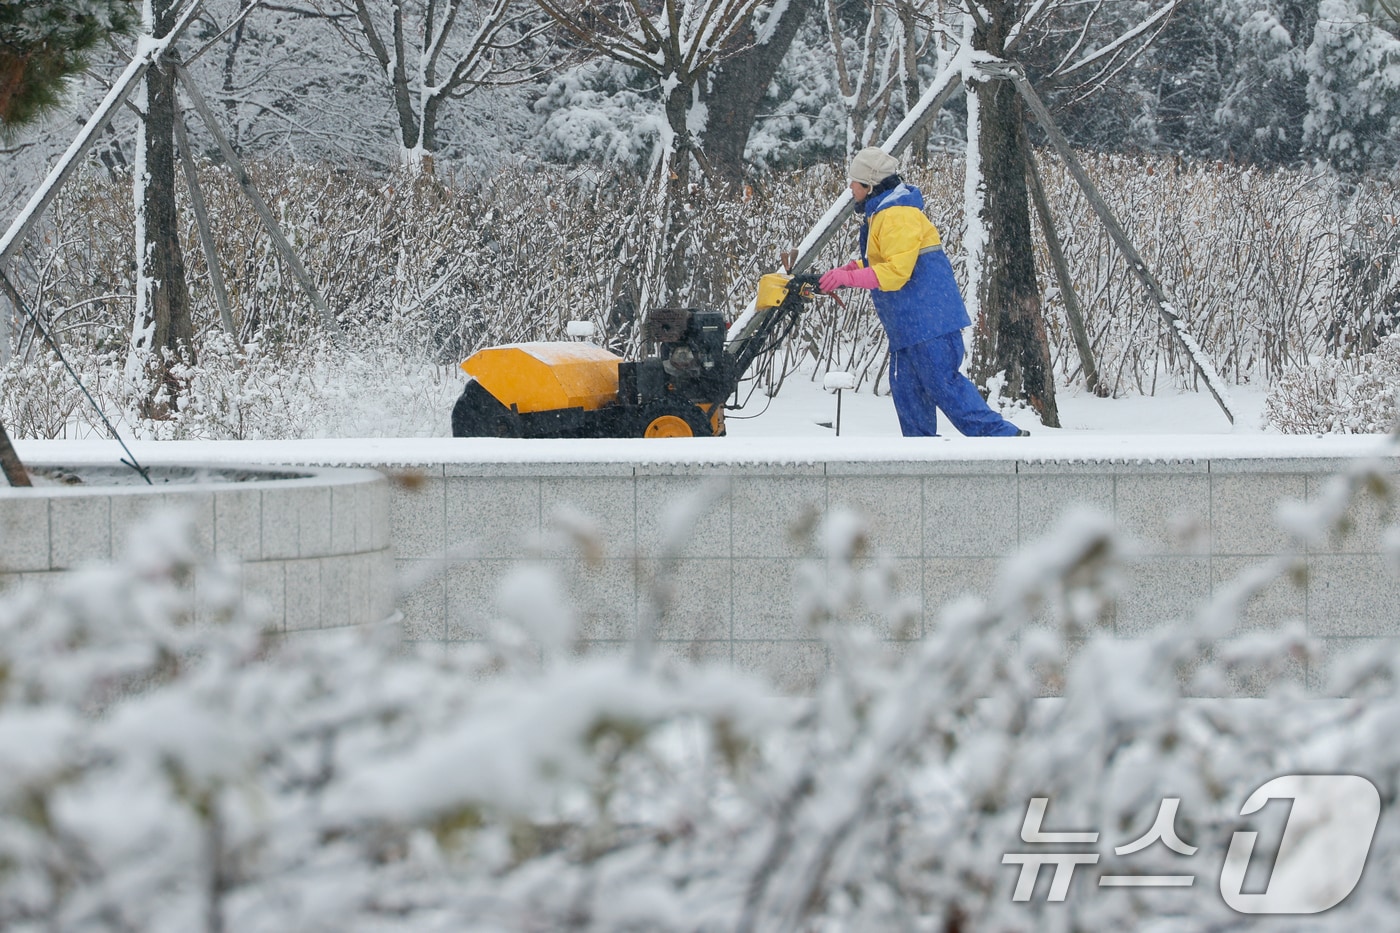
(314, 543)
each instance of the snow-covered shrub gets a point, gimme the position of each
(1367, 230)
(169, 766)
(1238, 251)
(38, 398)
(240, 393)
(1340, 397)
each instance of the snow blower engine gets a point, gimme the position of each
(569, 389)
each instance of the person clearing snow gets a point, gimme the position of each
(911, 282)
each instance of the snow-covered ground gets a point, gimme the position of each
(793, 427)
(802, 407)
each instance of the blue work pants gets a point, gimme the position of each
(926, 377)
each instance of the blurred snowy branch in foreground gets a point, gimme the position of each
(171, 771)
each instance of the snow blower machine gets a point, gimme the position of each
(568, 389)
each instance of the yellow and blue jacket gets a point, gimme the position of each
(918, 297)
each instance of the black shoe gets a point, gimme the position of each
(1022, 432)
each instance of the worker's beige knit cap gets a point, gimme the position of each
(873, 165)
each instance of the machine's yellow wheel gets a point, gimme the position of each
(668, 426)
(673, 419)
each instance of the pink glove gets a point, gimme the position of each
(853, 264)
(849, 278)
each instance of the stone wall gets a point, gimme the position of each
(315, 548)
(462, 516)
(942, 528)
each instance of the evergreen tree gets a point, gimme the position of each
(1264, 100)
(1227, 80)
(1185, 78)
(42, 45)
(1353, 89)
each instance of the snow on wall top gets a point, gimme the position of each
(703, 452)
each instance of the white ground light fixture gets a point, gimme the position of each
(836, 382)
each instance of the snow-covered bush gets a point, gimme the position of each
(1340, 396)
(169, 766)
(38, 398)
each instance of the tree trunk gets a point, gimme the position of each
(10, 464)
(1010, 337)
(677, 106)
(909, 24)
(674, 187)
(230, 87)
(12, 74)
(166, 326)
(422, 156)
(738, 86)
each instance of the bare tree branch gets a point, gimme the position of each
(1153, 25)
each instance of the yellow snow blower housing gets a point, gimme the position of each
(580, 390)
(546, 376)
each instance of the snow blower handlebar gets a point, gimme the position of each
(781, 300)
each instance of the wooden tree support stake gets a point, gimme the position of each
(10, 464)
(1057, 259)
(1165, 310)
(201, 219)
(264, 212)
